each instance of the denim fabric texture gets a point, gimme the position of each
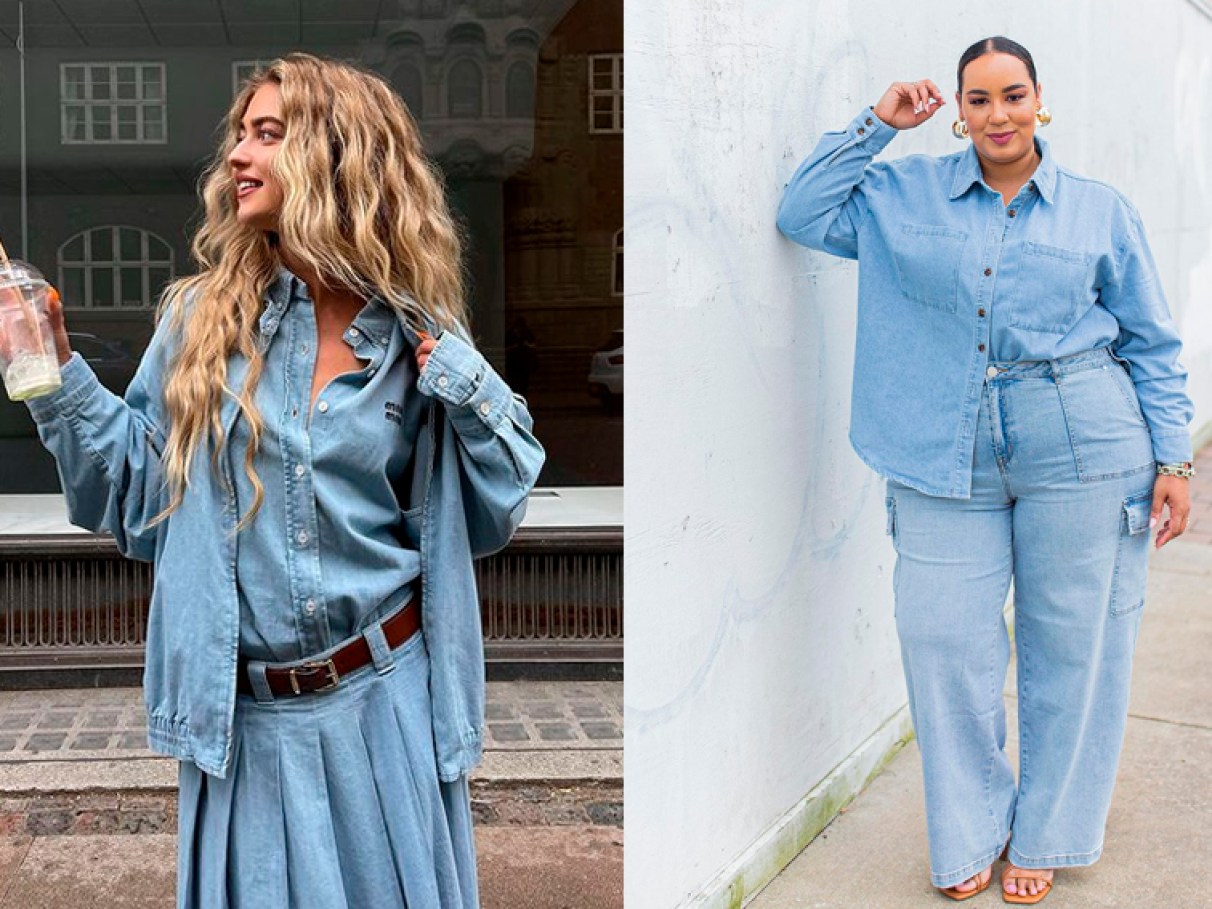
(950, 279)
(356, 443)
(1077, 549)
(332, 801)
(475, 462)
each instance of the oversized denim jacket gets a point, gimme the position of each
(476, 461)
(950, 279)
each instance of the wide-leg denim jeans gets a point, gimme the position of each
(1061, 493)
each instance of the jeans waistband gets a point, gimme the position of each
(1087, 359)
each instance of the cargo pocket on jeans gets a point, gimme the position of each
(1132, 555)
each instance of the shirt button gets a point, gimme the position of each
(302, 537)
(443, 381)
(485, 408)
(991, 372)
(1011, 213)
(870, 122)
(322, 407)
(861, 131)
(980, 347)
(988, 272)
(300, 470)
(981, 313)
(310, 606)
(353, 332)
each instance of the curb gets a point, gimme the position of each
(139, 795)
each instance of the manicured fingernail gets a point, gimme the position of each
(918, 109)
(1152, 522)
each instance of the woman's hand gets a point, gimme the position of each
(1173, 492)
(424, 349)
(908, 104)
(54, 310)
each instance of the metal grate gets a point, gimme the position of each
(74, 602)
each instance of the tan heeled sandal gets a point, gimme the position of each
(1026, 899)
(968, 894)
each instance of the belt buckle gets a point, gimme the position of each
(327, 665)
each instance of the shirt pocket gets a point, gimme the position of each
(1053, 284)
(927, 261)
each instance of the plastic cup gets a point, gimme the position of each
(28, 360)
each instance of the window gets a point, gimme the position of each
(466, 87)
(242, 69)
(605, 93)
(406, 80)
(616, 271)
(113, 103)
(519, 91)
(114, 268)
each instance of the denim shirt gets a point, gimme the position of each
(309, 572)
(475, 463)
(950, 279)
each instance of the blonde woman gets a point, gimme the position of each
(311, 454)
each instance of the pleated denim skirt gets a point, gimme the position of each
(332, 801)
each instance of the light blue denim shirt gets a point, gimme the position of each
(950, 279)
(475, 462)
(355, 444)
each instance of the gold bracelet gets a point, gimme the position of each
(1184, 470)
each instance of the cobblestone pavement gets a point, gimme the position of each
(105, 723)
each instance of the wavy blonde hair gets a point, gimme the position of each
(363, 210)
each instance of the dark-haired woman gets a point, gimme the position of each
(1017, 382)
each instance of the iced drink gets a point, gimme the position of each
(28, 359)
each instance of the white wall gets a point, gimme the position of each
(760, 645)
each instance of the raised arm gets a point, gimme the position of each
(107, 449)
(824, 203)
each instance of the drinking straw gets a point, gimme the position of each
(29, 314)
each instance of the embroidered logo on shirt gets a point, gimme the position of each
(395, 412)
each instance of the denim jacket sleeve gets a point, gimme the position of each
(1130, 289)
(499, 456)
(824, 203)
(108, 449)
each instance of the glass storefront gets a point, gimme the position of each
(110, 114)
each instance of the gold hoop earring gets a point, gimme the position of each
(959, 129)
(1043, 116)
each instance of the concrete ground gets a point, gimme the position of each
(88, 815)
(1157, 851)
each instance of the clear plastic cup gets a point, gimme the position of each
(28, 360)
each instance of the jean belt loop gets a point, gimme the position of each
(379, 651)
(260, 685)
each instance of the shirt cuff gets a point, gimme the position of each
(1172, 449)
(79, 382)
(458, 375)
(870, 131)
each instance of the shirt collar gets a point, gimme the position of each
(968, 171)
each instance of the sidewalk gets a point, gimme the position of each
(1157, 850)
(88, 814)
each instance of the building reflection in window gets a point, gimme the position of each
(520, 106)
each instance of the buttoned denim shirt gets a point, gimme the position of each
(951, 279)
(311, 571)
(476, 461)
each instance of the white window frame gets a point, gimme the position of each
(250, 65)
(616, 259)
(87, 104)
(88, 264)
(614, 92)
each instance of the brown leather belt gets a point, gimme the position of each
(308, 676)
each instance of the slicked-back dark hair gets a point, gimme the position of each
(995, 45)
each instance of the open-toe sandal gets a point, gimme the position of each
(968, 894)
(1026, 899)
